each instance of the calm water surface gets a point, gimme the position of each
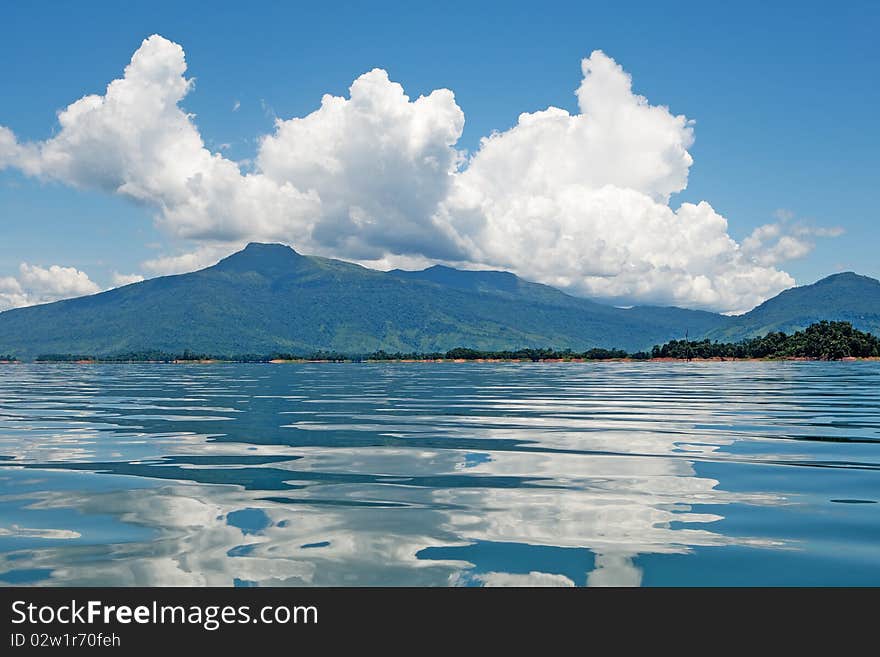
(440, 474)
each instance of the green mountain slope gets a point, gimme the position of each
(841, 297)
(269, 298)
(661, 319)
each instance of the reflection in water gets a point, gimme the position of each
(440, 474)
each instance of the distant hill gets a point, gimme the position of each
(842, 297)
(663, 319)
(269, 298)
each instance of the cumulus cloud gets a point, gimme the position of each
(125, 279)
(36, 284)
(783, 240)
(580, 201)
(617, 139)
(56, 282)
(11, 293)
(136, 141)
(533, 578)
(204, 256)
(380, 162)
(10, 151)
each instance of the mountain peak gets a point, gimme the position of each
(267, 247)
(844, 296)
(267, 259)
(846, 277)
(463, 279)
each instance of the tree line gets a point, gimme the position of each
(823, 340)
(459, 353)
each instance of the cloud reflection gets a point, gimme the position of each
(389, 475)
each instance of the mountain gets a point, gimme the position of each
(843, 297)
(269, 298)
(664, 319)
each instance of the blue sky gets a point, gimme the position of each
(784, 97)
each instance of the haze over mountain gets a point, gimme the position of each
(268, 298)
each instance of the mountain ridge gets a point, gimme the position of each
(844, 296)
(269, 298)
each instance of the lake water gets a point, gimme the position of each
(464, 474)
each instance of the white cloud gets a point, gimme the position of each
(767, 245)
(380, 163)
(392, 261)
(37, 284)
(581, 202)
(203, 256)
(56, 282)
(784, 240)
(136, 141)
(578, 201)
(125, 279)
(618, 139)
(9, 149)
(11, 293)
(533, 578)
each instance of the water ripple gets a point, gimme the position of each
(451, 474)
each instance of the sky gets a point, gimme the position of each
(705, 155)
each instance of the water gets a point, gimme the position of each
(441, 474)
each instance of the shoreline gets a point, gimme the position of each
(821, 341)
(303, 361)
